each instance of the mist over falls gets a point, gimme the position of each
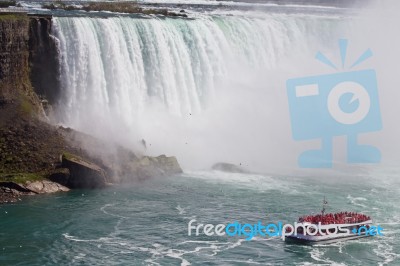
(205, 90)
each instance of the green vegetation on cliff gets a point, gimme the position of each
(16, 16)
(8, 16)
(22, 178)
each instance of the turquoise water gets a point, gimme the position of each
(146, 223)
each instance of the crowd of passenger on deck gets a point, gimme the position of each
(335, 218)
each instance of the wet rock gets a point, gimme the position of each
(11, 192)
(45, 186)
(8, 195)
(181, 14)
(169, 165)
(83, 174)
(148, 167)
(12, 186)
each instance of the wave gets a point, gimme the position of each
(357, 201)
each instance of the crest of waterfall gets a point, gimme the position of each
(113, 67)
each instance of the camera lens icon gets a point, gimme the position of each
(338, 104)
(348, 103)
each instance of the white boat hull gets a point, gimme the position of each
(329, 238)
(317, 240)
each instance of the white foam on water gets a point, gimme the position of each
(159, 251)
(103, 209)
(385, 251)
(318, 255)
(357, 201)
(258, 182)
(245, 262)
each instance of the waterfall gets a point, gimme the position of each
(117, 70)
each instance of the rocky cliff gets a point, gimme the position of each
(32, 151)
(26, 143)
(13, 52)
(43, 58)
(29, 64)
(15, 86)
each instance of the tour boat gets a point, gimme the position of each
(325, 228)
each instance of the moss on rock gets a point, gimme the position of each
(22, 178)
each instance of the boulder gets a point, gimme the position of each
(45, 186)
(14, 187)
(83, 174)
(169, 165)
(148, 167)
(12, 191)
(8, 195)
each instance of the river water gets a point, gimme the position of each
(147, 223)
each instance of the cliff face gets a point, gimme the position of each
(43, 58)
(17, 97)
(27, 145)
(14, 71)
(30, 148)
(28, 61)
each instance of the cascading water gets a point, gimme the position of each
(141, 75)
